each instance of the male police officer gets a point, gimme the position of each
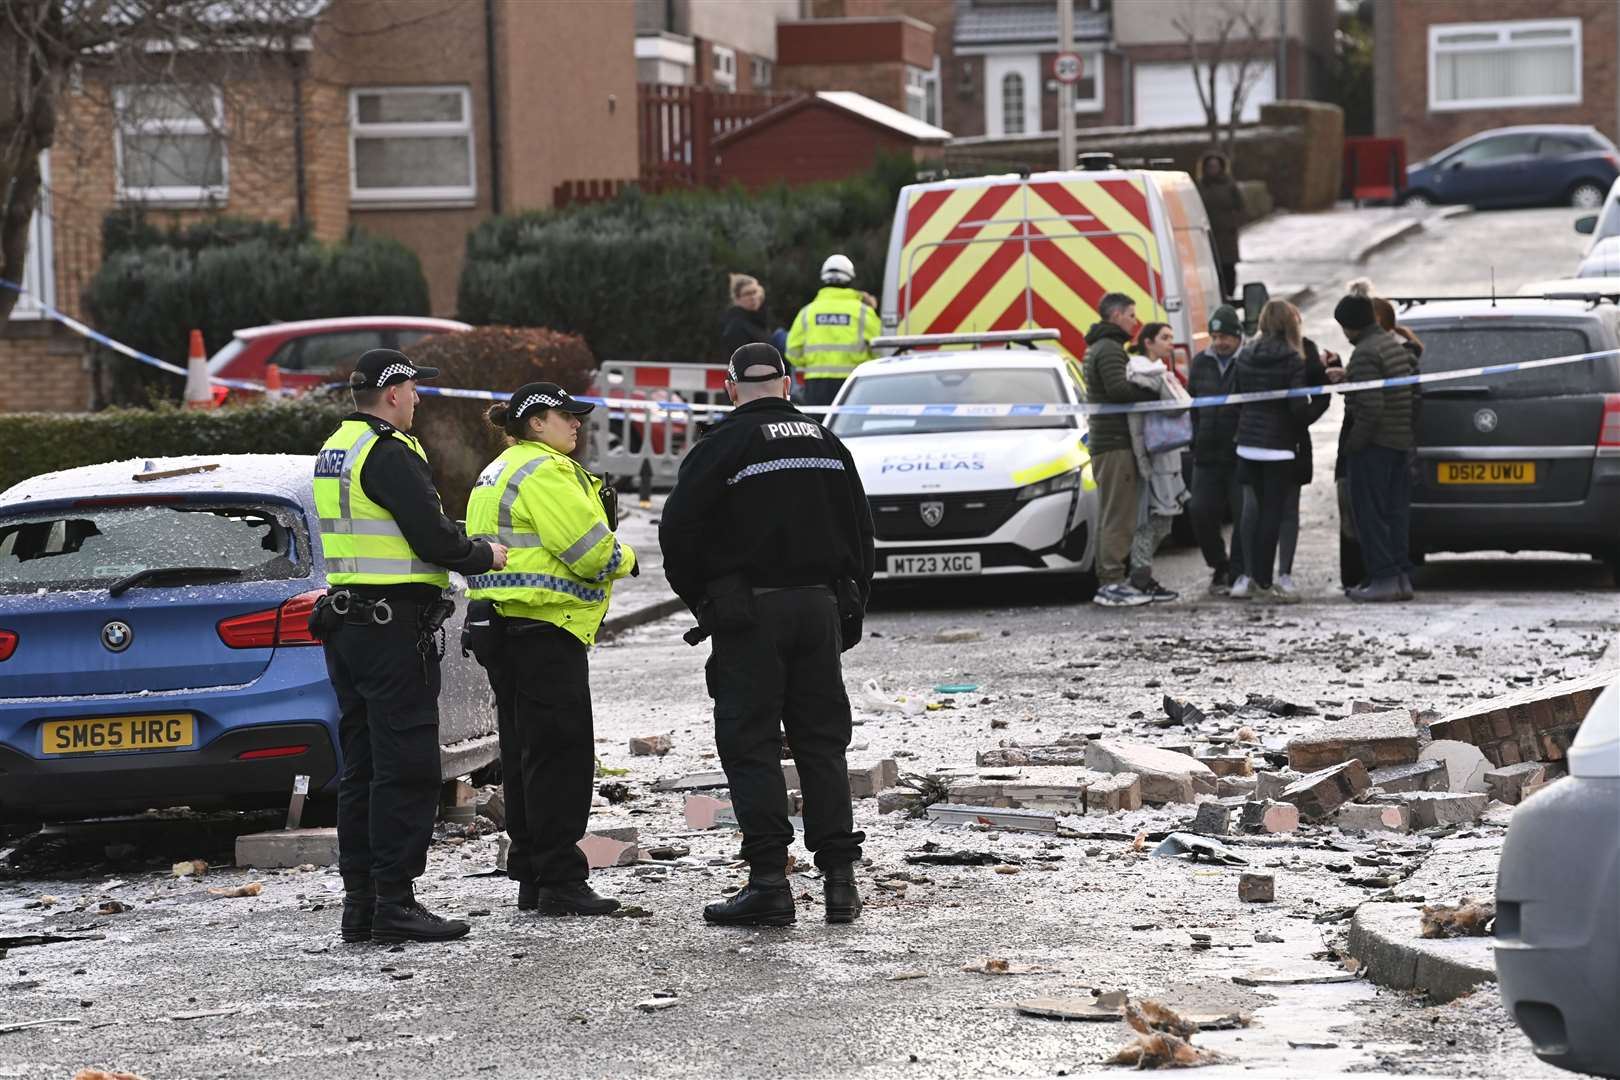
(768, 538)
(387, 543)
(832, 334)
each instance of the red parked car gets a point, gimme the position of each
(310, 351)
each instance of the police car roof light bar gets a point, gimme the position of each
(1026, 338)
(1594, 296)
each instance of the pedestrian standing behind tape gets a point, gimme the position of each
(543, 614)
(387, 546)
(1216, 493)
(1157, 440)
(1267, 440)
(768, 538)
(1113, 462)
(1379, 448)
(747, 321)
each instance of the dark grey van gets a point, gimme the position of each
(1524, 461)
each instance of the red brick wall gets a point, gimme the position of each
(818, 142)
(1427, 132)
(885, 82)
(42, 369)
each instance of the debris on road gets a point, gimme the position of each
(1062, 754)
(1256, 888)
(1465, 765)
(693, 782)
(189, 868)
(1199, 848)
(650, 745)
(1320, 793)
(1536, 724)
(1056, 1008)
(1020, 820)
(703, 810)
(1180, 712)
(961, 635)
(1432, 808)
(865, 781)
(1511, 784)
(658, 1004)
(1213, 819)
(615, 792)
(252, 888)
(103, 1074)
(961, 858)
(1162, 1040)
(1429, 775)
(1373, 817)
(1377, 740)
(873, 698)
(1165, 775)
(1269, 817)
(24, 1025)
(1466, 918)
(1000, 965)
(279, 849)
(610, 847)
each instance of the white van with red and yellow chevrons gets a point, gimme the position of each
(1017, 251)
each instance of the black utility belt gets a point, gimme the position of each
(761, 590)
(343, 607)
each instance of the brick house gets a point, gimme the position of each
(1446, 69)
(726, 44)
(402, 123)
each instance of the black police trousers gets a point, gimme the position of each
(548, 750)
(785, 673)
(388, 699)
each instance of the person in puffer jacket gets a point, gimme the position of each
(1267, 441)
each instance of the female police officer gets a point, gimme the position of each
(548, 603)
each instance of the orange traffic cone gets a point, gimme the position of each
(272, 380)
(199, 393)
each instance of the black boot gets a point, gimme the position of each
(400, 918)
(528, 895)
(842, 897)
(576, 899)
(359, 904)
(765, 901)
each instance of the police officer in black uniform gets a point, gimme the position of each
(767, 537)
(387, 545)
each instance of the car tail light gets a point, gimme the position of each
(272, 752)
(8, 644)
(284, 625)
(1609, 429)
(1612, 160)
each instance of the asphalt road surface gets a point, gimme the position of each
(185, 983)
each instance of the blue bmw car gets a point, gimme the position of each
(1545, 165)
(155, 648)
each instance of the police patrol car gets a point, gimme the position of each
(960, 491)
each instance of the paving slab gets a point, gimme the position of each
(1377, 740)
(288, 847)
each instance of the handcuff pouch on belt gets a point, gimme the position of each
(483, 633)
(339, 607)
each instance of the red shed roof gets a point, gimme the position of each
(859, 106)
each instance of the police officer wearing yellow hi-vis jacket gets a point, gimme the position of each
(832, 334)
(531, 627)
(387, 546)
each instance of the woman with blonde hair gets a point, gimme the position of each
(1267, 443)
(746, 321)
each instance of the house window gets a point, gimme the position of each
(1012, 104)
(725, 68)
(1491, 65)
(1088, 89)
(411, 144)
(39, 266)
(917, 92)
(760, 70)
(170, 144)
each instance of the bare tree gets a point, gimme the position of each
(1223, 34)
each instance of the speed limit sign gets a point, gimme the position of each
(1066, 67)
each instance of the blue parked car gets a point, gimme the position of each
(154, 642)
(1545, 165)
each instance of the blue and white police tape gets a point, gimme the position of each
(118, 346)
(635, 407)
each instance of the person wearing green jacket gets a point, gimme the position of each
(532, 626)
(1113, 462)
(832, 335)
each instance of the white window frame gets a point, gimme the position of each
(1091, 60)
(187, 194)
(723, 67)
(39, 267)
(761, 72)
(441, 194)
(997, 67)
(1504, 42)
(917, 92)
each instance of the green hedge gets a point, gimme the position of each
(645, 277)
(220, 279)
(45, 442)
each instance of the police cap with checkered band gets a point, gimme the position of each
(378, 368)
(530, 398)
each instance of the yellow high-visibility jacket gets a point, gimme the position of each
(832, 334)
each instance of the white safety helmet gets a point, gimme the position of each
(837, 270)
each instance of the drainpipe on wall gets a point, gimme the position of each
(1281, 87)
(300, 181)
(494, 108)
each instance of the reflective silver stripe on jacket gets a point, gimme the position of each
(346, 477)
(381, 566)
(861, 347)
(782, 464)
(825, 371)
(512, 540)
(582, 547)
(361, 527)
(509, 496)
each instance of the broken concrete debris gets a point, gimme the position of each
(1055, 1008)
(1162, 1040)
(1271, 785)
(252, 888)
(702, 809)
(1377, 740)
(1017, 756)
(1199, 847)
(650, 745)
(1269, 817)
(1226, 786)
(1113, 794)
(1418, 776)
(1432, 808)
(959, 635)
(285, 848)
(1320, 793)
(1166, 776)
(1018, 820)
(610, 847)
(1537, 724)
(1227, 765)
(1256, 888)
(1508, 784)
(1465, 765)
(1212, 819)
(867, 780)
(1181, 712)
(1373, 817)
